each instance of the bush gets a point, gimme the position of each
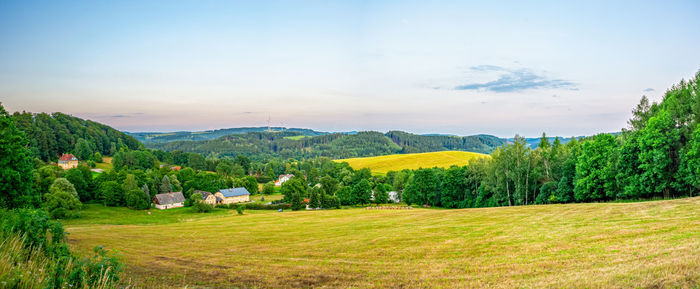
(240, 209)
(199, 205)
(35, 248)
(268, 188)
(62, 200)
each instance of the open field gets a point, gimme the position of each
(297, 137)
(384, 164)
(106, 164)
(598, 245)
(268, 198)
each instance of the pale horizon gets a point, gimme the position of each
(454, 68)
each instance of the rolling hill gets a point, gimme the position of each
(384, 164)
(289, 144)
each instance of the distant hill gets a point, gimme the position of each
(51, 135)
(384, 164)
(163, 137)
(288, 144)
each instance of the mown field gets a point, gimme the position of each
(605, 245)
(384, 164)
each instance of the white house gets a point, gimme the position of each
(169, 200)
(282, 179)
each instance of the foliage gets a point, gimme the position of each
(294, 191)
(62, 200)
(16, 167)
(199, 205)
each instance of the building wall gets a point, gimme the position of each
(237, 199)
(169, 206)
(68, 164)
(210, 200)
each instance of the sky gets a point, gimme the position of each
(462, 67)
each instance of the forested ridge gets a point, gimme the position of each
(263, 145)
(51, 135)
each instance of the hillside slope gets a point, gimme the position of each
(263, 145)
(595, 245)
(51, 135)
(384, 164)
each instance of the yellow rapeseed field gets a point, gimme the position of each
(651, 244)
(384, 164)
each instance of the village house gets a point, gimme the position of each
(169, 200)
(282, 179)
(209, 198)
(68, 161)
(233, 195)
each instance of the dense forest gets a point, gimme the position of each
(160, 137)
(263, 145)
(51, 135)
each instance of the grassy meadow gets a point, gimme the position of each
(384, 164)
(594, 245)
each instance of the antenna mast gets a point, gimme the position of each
(268, 124)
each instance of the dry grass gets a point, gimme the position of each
(384, 164)
(609, 245)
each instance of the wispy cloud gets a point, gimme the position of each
(649, 90)
(511, 80)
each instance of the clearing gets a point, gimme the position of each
(384, 164)
(598, 245)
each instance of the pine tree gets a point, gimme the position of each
(165, 186)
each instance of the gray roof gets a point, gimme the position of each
(234, 192)
(169, 198)
(204, 194)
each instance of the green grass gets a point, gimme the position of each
(106, 164)
(268, 198)
(94, 214)
(296, 137)
(599, 245)
(384, 164)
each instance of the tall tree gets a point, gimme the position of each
(16, 168)
(658, 143)
(165, 186)
(596, 170)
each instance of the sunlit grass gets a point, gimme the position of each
(605, 245)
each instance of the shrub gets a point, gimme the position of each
(268, 188)
(62, 200)
(199, 205)
(240, 209)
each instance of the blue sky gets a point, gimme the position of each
(463, 67)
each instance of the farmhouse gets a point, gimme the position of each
(282, 179)
(233, 195)
(169, 200)
(208, 197)
(68, 161)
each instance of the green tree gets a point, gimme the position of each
(111, 194)
(16, 168)
(294, 191)
(268, 188)
(362, 192)
(136, 199)
(83, 150)
(62, 199)
(165, 186)
(596, 170)
(421, 187)
(454, 187)
(75, 176)
(658, 142)
(97, 157)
